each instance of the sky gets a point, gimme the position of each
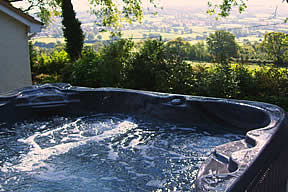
(82, 4)
(253, 5)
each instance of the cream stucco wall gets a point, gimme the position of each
(14, 54)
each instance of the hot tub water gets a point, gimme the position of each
(104, 153)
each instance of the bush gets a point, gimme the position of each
(104, 68)
(49, 63)
(116, 58)
(153, 68)
(86, 70)
(150, 66)
(245, 79)
(222, 81)
(271, 81)
(45, 78)
(149, 69)
(181, 77)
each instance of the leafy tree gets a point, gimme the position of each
(73, 33)
(86, 71)
(44, 9)
(224, 8)
(150, 69)
(116, 57)
(222, 82)
(199, 52)
(222, 46)
(178, 47)
(106, 67)
(32, 54)
(275, 46)
(108, 12)
(49, 62)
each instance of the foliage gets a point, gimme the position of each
(178, 47)
(222, 46)
(44, 9)
(272, 81)
(148, 66)
(223, 9)
(149, 70)
(45, 78)
(275, 46)
(185, 50)
(48, 63)
(199, 52)
(105, 68)
(155, 67)
(223, 82)
(108, 12)
(32, 54)
(87, 70)
(72, 31)
(116, 58)
(112, 13)
(246, 84)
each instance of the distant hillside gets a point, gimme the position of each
(189, 23)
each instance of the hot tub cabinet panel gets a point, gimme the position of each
(256, 163)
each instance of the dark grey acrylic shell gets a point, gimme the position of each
(235, 166)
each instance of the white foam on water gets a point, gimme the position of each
(176, 155)
(137, 141)
(112, 155)
(37, 156)
(184, 169)
(143, 151)
(111, 179)
(52, 175)
(138, 175)
(111, 150)
(156, 183)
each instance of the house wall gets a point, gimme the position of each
(15, 69)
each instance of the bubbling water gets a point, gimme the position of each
(103, 153)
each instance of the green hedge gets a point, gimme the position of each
(151, 66)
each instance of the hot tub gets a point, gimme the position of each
(255, 162)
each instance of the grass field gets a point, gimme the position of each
(48, 39)
(138, 35)
(251, 67)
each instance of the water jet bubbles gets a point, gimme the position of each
(105, 152)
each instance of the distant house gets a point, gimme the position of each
(15, 25)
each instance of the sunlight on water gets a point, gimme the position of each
(103, 153)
